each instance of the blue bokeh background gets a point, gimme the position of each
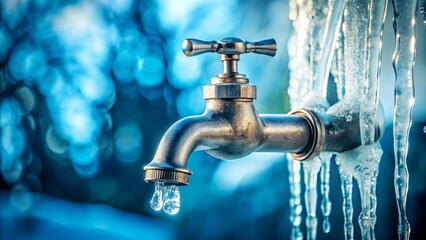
(89, 87)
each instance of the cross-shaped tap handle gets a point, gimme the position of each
(229, 46)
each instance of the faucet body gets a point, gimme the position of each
(231, 128)
(228, 129)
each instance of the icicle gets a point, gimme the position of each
(339, 62)
(311, 169)
(355, 26)
(346, 170)
(363, 30)
(298, 51)
(325, 190)
(348, 226)
(362, 163)
(299, 87)
(377, 15)
(295, 198)
(330, 33)
(403, 62)
(373, 202)
(422, 8)
(317, 15)
(376, 18)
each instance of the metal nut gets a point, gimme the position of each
(229, 90)
(317, 138)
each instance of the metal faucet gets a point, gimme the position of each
(231, 128)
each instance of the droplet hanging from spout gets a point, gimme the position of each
(171, 199)
(157, 198)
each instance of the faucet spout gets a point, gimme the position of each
(202, 132)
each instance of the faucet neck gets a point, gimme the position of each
(230, 71)
(230, 84)
(230, 62)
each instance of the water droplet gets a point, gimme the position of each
(424, 129)
(171, 199)
(157, 198)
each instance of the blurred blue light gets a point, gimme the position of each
(151, 71)
(12, 145)
(96, 87)
(125, 66)
(84, 154)
(186, 72)
(86, 171)
(12, 140)
(83, 32)
(54, 142)
(107, 122)
(78, 121)
(132, 41)
(12, 174)
(174, 14)
(92, 50)
(5, 43)
(27, 63)
(13, 11)
(190, 102)
(41, 3)
(55, 218)
(27, 98)
(51, 83)
(232, 174)
(119, 6)
(128, 142)
(21, 199)
(11, 112)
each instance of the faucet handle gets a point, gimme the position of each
(229, 46)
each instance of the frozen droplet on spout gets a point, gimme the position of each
(157, 198)
(171, 200)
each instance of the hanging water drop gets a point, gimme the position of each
(171, 199)
(424, 129)
(157, 199)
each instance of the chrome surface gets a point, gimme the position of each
(231, 128)
(229, 90)
(317, 137)
(228, 129)
(229, 45)
(230, 49)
